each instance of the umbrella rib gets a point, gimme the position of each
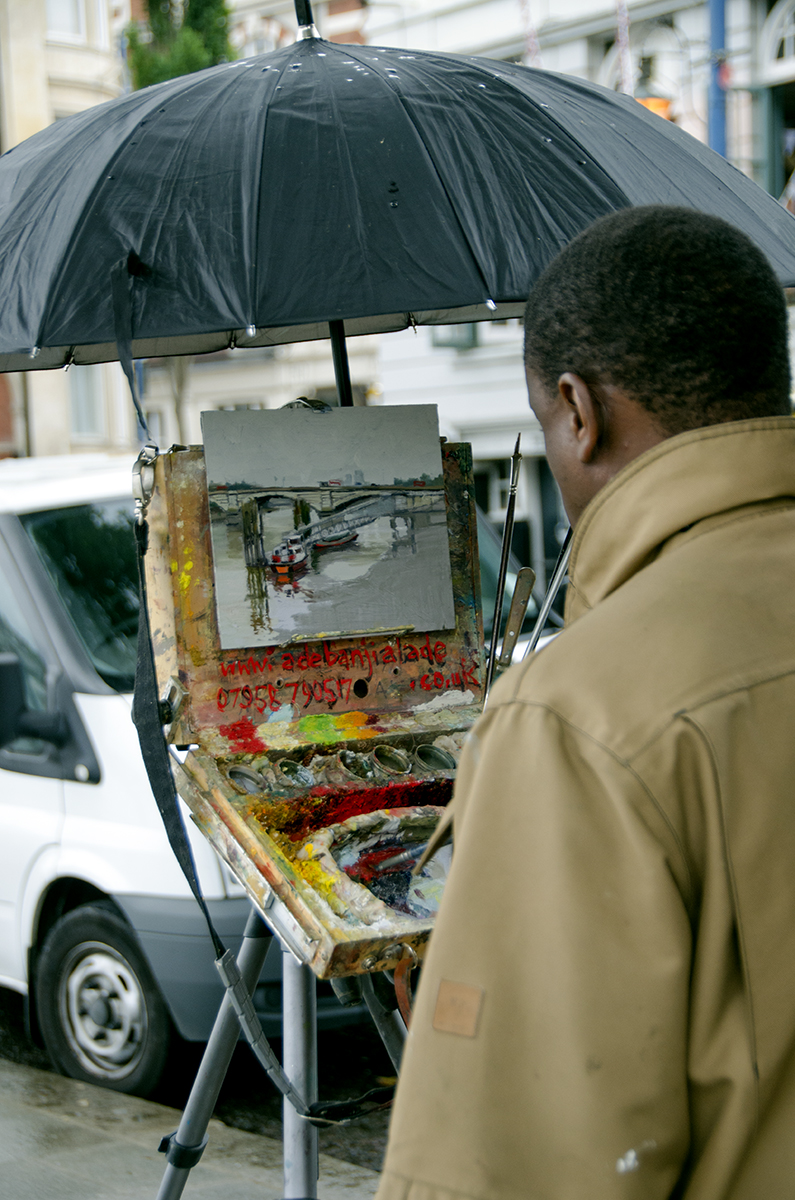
(669, 133)
(334, 106)
(58, 274)
(549, 115)
(177, 85)
(159, 232)
(432, 162)
(257, 222)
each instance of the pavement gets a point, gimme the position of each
(64, 1140)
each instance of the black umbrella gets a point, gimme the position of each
(259, 201)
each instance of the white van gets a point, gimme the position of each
(97, 924)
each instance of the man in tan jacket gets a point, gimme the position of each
(608, 1004)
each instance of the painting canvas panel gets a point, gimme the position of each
(327, 523)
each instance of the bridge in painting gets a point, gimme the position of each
(352, 509)
(346, 520)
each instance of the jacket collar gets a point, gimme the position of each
(683, 480)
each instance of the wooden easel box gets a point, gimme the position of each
(419, 686)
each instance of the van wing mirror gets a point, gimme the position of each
(16, 720)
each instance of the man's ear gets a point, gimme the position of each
(586, 417)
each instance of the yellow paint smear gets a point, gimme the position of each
(354, 721)
(321, 882)
(184, 578)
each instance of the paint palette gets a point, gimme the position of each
(314, 764)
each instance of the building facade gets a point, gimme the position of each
(59, 57)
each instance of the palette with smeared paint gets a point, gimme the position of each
(323, 707)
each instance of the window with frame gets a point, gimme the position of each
(17, 637)
(85, 388)
(66, 20)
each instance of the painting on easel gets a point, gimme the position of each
(327, 524)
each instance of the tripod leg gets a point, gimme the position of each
(299, 1040)
(387, 1021)
(188, 1142)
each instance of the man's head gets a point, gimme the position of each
(651, 322)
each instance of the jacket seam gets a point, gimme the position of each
(754, 681)
(414, 1180)
(627, 765)
(748, 684)
(761, 509)
(671, 446)
(729, 867)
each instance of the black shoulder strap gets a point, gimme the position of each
(146, 716)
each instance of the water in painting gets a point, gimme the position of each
(327, 523)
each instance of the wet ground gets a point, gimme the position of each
(61, 1139)
(351, 1061)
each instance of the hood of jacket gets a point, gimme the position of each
(684, 480)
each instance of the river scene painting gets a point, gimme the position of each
(327, 523)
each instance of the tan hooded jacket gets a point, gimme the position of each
(608, 1004)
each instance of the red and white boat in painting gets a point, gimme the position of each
(289, 557)
(334, 541)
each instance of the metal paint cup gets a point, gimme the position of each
(390, 762)
(429, 759)
(292, 774)
(348, 768)
(246, 780)
(359, 765)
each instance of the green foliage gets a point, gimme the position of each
(210, 20)
(178, 47)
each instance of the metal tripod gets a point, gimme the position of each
(185, 1147)
(299, 1045)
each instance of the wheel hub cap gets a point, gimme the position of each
(104, 1012)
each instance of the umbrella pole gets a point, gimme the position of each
(341, 372)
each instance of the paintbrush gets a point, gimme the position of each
(505, 553)
(405, 856)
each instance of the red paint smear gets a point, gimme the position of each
(366, 867)
(242, 736)
(338, 806)
(327, 806)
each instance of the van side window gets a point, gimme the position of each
(17, 637)
(88, 550)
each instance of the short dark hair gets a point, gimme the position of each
(678, 309)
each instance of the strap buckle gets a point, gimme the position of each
(143, 480)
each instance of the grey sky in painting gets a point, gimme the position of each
(301, 448)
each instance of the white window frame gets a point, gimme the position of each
(64, 36)
(779, 27)
(86, 391)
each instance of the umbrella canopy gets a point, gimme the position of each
(255, 202)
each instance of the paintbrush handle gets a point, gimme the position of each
(405, 856)
(505, 553)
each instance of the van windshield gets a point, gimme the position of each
(89, 553)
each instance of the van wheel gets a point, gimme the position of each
(100, 1013)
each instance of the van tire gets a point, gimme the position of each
(101, 1015)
